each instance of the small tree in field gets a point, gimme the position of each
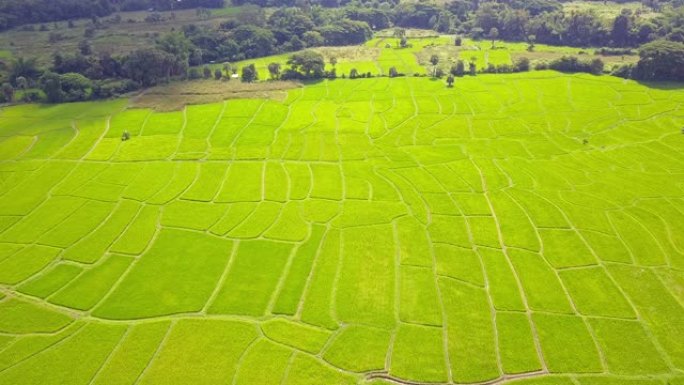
(458, 69)
(472, 66)
(450, 81)
(458, 41)
(206, 71)
(353, 74)
(493, 35)
(249, 74)
(530, 42)
(393, 72)
(274, 70)
(434, 60)
(7, 92)
(218, 74)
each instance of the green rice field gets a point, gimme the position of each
(521, 229)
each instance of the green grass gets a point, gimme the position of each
(566, 344)
(516, 343)
(19, 317)
(210, 348)
(304, 338)
(252, 278)
(166, 281)
(418, 352)
(343, 352)
(127, 361)
(354, 230)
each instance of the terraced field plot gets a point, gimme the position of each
(522, 228)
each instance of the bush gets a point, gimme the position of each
(30, 96)
(458, 69)
(660, 60)
(573, 64)
(521, 64)
(193, 74)
(541, 65)
(623, 71)
(614, 51)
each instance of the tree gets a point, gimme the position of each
(206, 71)
(23, 67)
(450, 81)
(149, 67)
(353, 73)
(531, 39)
(522, 64)
(458, 41)
(176, 44)
(661, 60)
(493, 35)
(399, 33)
(194, 74)
(434, 60)
(253, 41)
(22, 83)
(228, 69)
(472, 66)
(458, 69)
(346, 32)
(309, 63)
(249, 73)
(218, 74)
(274, 70)
(85, 48)
(313, 38)
(7, 92)
(393, 72)
(75, 87)
(51, 84)
(620, 33)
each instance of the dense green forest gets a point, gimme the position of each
(263, 27)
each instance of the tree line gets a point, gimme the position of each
(85, 74)
(15, 13)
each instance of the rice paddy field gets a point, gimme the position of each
(383, 52)
(518, 229)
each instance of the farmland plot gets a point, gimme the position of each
(523, 229)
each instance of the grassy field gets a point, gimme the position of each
(381, 53)
(524, 228)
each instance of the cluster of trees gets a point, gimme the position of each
(658, 60)
(254, 34)
(542, 21)
(19, 12)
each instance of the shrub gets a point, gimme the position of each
(614, 51)
(522, 64)
(541, 65)
(573, 64)
(193, 73)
